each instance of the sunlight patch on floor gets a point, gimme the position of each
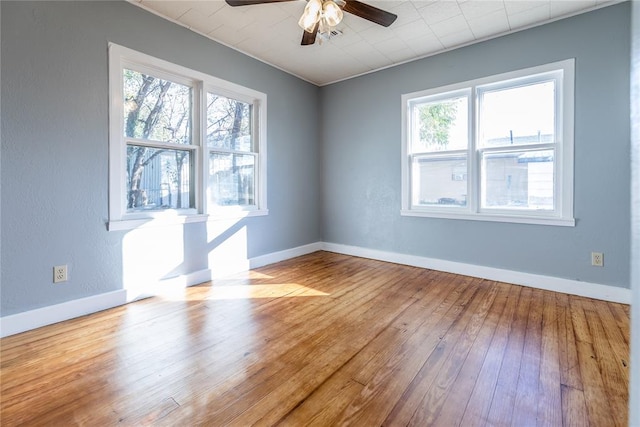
(263, 291)
(229, 292)
(249, 274)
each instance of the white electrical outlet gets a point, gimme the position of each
(597, 259)
(59, 273)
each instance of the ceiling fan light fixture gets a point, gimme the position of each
(321, 17)
(331, 13)
(311, 15)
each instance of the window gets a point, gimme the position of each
(157, 134)
(231, 152)
(184, 146)
(497, 149)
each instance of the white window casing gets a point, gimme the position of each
(121, 218)
(559, 151)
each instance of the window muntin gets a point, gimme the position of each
(517, 165)
(162, 143)
(156, 109)
(518, 180)
(232, 154)
(518, 118)
(159, 178)
(157, 115)
(232, 179)
(440, 181)
(440, 124)
(229, 123)
(439, 150)
(517, 115)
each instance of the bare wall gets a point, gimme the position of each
(361, 156)
(54, 166)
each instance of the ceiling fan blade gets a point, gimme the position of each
(250, 2)
(368, 12)
(310, 38)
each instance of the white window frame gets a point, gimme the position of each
(562, 214)
(119, 219)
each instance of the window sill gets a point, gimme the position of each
(169, 220)
(234, 213)
(561, 222)
(157, 221)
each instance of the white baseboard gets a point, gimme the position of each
(32, 319)
(166, 286)
(556, 284)
(274, 257)
(236, 266)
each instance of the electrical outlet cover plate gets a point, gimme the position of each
(59, 273)
(597, 259)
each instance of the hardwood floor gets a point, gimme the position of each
(328, 339)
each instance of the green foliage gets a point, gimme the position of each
(435, 120)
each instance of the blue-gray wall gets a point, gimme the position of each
(634, 377)
(361, 156)
(54, 168)
(340, 185)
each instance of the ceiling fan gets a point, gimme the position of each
(322, 15)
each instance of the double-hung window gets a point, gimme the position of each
(158, 138)
(498, 148)
(231, 152)
(183, 145)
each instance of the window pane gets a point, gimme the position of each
(158, 179)
(228, 123)
(156, 109)
(520, 115)
(439, 181)
(231, 179)
(518, 180)
(441, 125)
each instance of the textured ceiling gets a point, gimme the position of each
(270, 32)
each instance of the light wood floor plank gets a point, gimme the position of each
(327, 339)
(504, 397)
(385, 388)
(466, 380)
(525, 409)
(436, 392)
(549, 399)
(477, 407)
(614, 375)
(596, 399)
(377, 354)
(620, 313)
(569, 365)
(573, 400)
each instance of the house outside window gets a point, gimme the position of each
(184, 146)
(497, 149)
